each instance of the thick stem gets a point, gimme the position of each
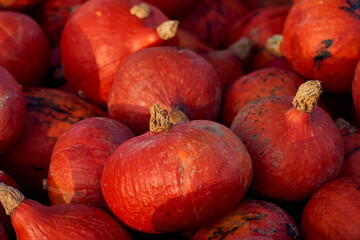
(243, 48)
(307, 96)
(167, 29)
(10, 198)
(177, 116)
(141, 10)
(159, 119)
(273, 45)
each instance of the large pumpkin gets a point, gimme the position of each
(176, 177)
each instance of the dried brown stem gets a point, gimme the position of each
(273, 45)
(307, 96)
(141, 10)
(10, 198)
(167, 29)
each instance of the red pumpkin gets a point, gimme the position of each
(189, 41)
(351, 138)
(32, 220)
(53, 16)
(12, 110)
(321, 40)
(355, 92)
(174, 8)
(24, 48)
(176, 177)
(19, 4)
(78, 159)
(251, 218)
(294, 145)
(175, 77)
(254, 4)
(256, 85)
(49, 113)
(258, 25)
(100, 35)
(333, 212)
(212, 20)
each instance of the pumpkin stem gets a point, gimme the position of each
(159, 119)
(10, 198)
(141, 10)
(273, 45)
(167, 29)
(176, 116)
(307, 96)
(243, 48)
(342, 123)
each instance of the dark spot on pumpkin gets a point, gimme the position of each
(354, 150)
(36, 169)
(323, 53)
(223, 233)
(352, 8)
(292, 231)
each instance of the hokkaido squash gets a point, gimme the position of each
(177, 176)
(78, 159)
(49, 113)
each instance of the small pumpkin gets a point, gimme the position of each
(100, 35)
(78, 158)
(333, 212)
(321, 40)
(294, 145)
(12, 110)
(176, 77)
(24, 48)
(251, 218)
(49, 113)
(177, 176)
(32, 220)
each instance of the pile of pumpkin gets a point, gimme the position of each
(183, 119)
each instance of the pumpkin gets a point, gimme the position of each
(294, 145)
(255, 85)
(321, 40)
(32, 220)
(49, 113)
(258, 25)
(78, 159)
(251, 218)
(53, 15)
(177, 176)
(176, 77)
(189, 41)
(228, 63)
(17, 5)
(12, 110)
(333, 212)
(100, 35)
(254, 4)
(24, 48)
(351, 138)
(174, 8)
(211, 20)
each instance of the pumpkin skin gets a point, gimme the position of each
(32, 220)
(25, 50)
(251, 218)
(211, 20)
(12, 110)
(172, 76)
(49, 113)
(321, 40)
(333, 212)
(197, 168)
(351, 137)
(173, 9)
(189, 41)
(78, 159)
(17, 5)
(256, 85)
(293, 153)
(54, 15)
(97, 39)
(258, 26)
(355, 92)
